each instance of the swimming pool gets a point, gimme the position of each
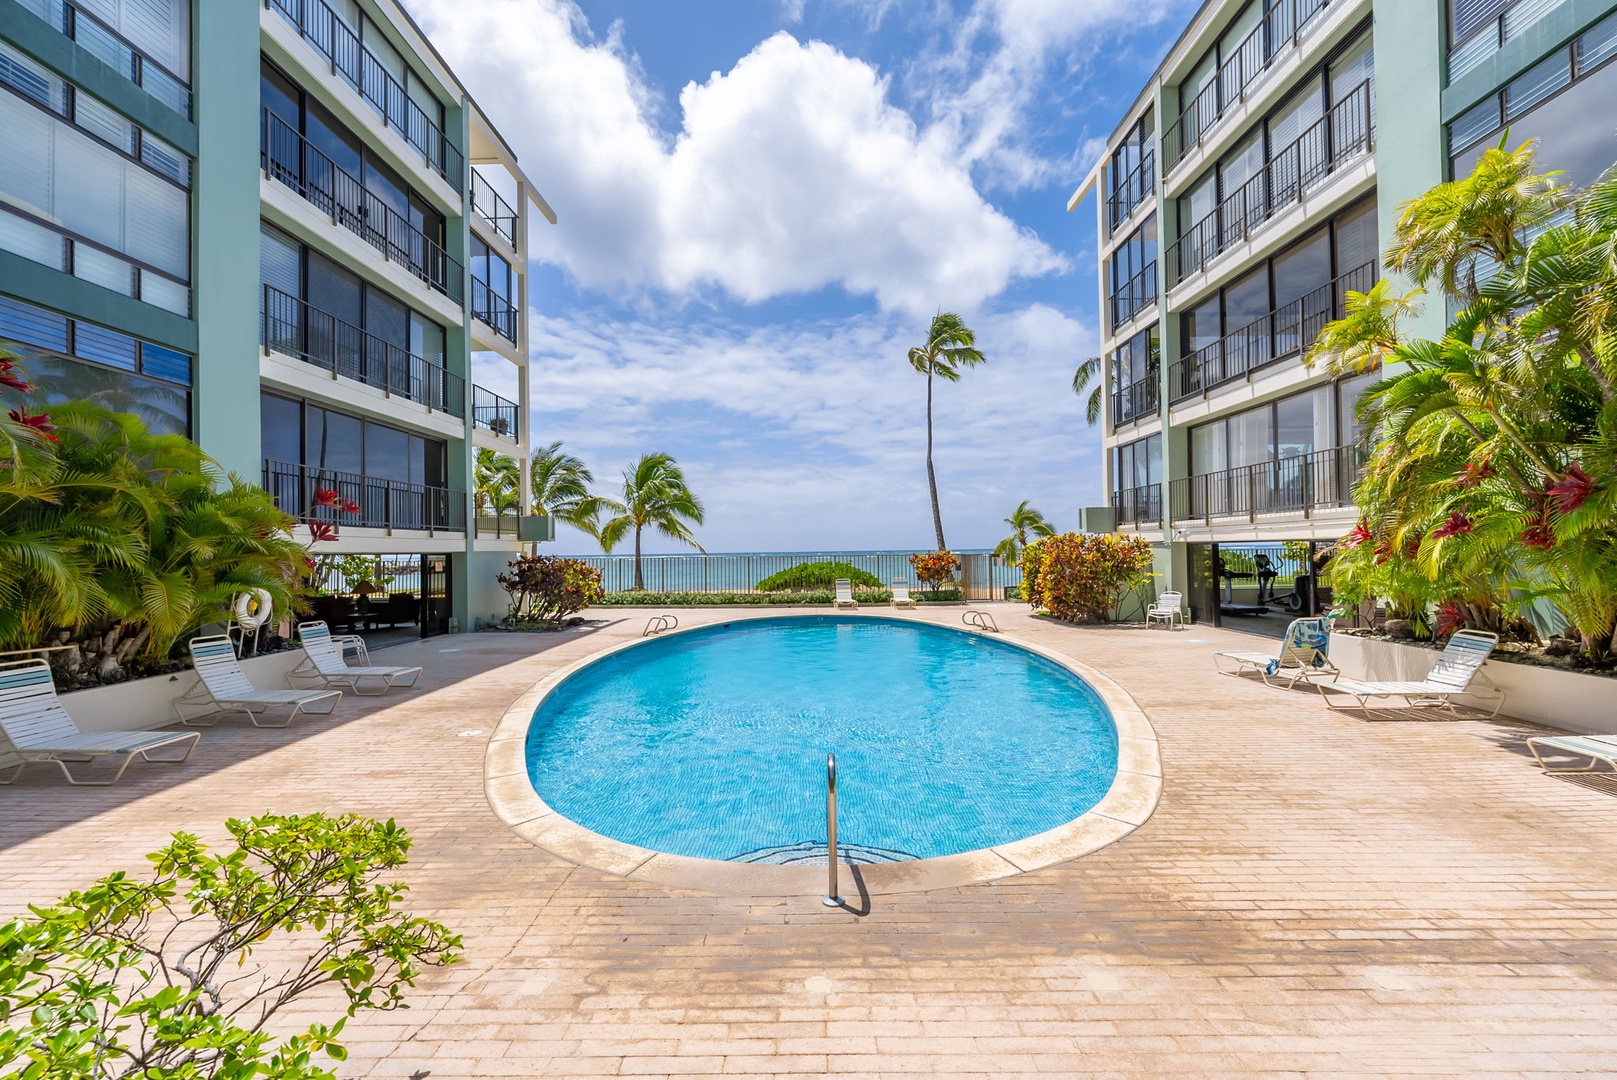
(711, 743)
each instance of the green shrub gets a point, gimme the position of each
(818, 575)
(934, 569)
(1079, 577)
(546, 589)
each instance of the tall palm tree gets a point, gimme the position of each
(495, 482)
(1024, 522)
(655, 495)
(561, 487)
(1089, 372)
(950, 346)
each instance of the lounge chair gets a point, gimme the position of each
(1304, 653)
(40, 729)
(323, 660)
(1596, 748)
(901, 593)
(222, 686)
(1168, 608)
(845, 595)
(1452, 676)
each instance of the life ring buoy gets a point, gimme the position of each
(253, 609)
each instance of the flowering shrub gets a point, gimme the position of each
(934, 569)
(1078, 577)
(547, 589)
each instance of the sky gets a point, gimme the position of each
(761, 205)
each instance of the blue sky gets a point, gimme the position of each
(761, 203)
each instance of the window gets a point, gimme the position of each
(492, 290)
(1303, 424)
(339, 442)
(1138, 464)
(148, 42)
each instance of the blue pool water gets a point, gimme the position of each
(712, 743)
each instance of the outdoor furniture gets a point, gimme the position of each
(222, 686)
(1168, 608)
(901, 593)
(1452, 676)
(1596, 748)
(1304, 653)
(40, 729)
(844, 598)
(323, 661)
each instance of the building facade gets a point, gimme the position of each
(285, 230)
(1253, 183)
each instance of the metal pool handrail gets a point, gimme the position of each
(982, 620)
(832, 897)
(658, 623)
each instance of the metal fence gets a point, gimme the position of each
(980, 577)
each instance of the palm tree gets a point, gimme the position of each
(950, 346)
(495, 482)
(654, 495)
(1089, 371)
(1024, 522)
(561, 488)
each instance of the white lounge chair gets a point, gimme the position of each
(222, 686)
(1596, 748)
(901, 593)
(845, 595)
(1169, 608)
(1304, 654)
(40, 729)
(323, 660)
(1452, 676)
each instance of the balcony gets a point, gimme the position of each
(1285, 332)
(1138, 505)
(1301, 485)
(1136, 401)
(492, 412)
(383, 504)
(1273, 36)
(295, 328)
(1137, 294)
(1343, 133)
(494, 311)
(1130, 191)
(494, 210)
(292, 160)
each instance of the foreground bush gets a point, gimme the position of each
(818, 575)
(547, 589)
(161, 977)
(1080, 578)
(935, 569)
(818, 597)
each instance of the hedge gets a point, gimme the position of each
(818, 575)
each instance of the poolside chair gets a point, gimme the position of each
(222, 686)
(1304, 653)
(845, 595)
(1596, 748)
(901, 593)
(1452, 676)
(40, 729)
(323, 661)
(1168, 608)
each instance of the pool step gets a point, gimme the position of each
(812, 853)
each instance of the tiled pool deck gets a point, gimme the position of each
(1314, 896)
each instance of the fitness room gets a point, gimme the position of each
(1258, 587)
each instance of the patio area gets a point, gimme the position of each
(1314, 896)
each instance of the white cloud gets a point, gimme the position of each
(791, 172)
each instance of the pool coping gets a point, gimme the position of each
(1127, 804)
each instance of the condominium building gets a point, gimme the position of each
(284, 229)
(1252, 184)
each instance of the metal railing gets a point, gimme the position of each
(1136, 294)
(494, 311)
(980, 577)
(1138, 505)
(1345, 131)
(833, 896)
(496, 525)
(291, 159)
(1130, 190)
(1295, 485)
(116, 51)
(1285, 332)
(494, 413)
(316, 337)
(495, 210)
(1277, 32)
(383, 504)
(1136, 401)
(360, 68)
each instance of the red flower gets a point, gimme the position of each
(1359, 535)
(1572, 490)
(1456, 524)
(1382, 553)
(327, 497)
(8, 377)
(1449, 618)
(1474, 473)
(1538, 534)
(40, 423)
(1412, 545)
(349, 506)
(322, 530)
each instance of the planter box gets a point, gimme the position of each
(149, 703)
(1569, 700)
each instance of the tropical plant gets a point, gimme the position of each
(655, 495)
(950, 347)
(546, 589)
(934, 569)
(817, 575)
(496, 480)
(1491, 486)
(560, 484)
(1082, 577)
(1090, 372)
(1025, 522)
(166, 976)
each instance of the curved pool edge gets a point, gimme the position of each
(1127, 804)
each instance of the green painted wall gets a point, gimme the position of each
(224, 240)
